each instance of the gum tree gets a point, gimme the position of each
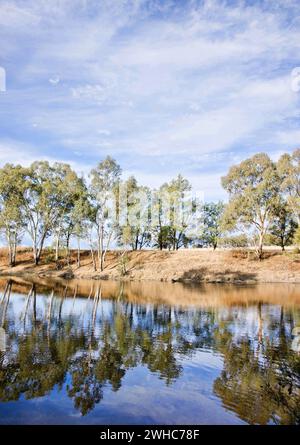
(172, 213)
(253, 187)
(283, 227)
(76, 219)
(105, 180)
(70, 188)
(11, 216)
(211, 221)
(45, 199)
(135, 224)
(289, 170)
(180, 210)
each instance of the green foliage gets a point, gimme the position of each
(12, 224)
(296, 239)
(257, 370)
(134, 230)
(234, 241)
(289, 171)
(211, 220)
(104, 190)
(49, 255)
(53, 201)
(283, 227)
(253, 187)
(173, 213)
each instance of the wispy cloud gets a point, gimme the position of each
(163, 86)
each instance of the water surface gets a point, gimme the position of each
(155, 353)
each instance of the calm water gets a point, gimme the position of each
(96, 353)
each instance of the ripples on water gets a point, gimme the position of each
(91, 352)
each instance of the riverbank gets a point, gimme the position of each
(195, 265)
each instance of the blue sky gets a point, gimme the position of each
(162, 86)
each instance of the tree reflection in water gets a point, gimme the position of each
(260, 380)
(89, 349)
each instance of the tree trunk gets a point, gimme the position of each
(35, 256)
(40, 248)
(141, 242)
(56, 247)
(99, 252)
(68, 248)
(9, 254)
(102, 256)
(93, 259)
(260, 247)
(104, 250)
(35, 251)
(14, 250)
(34, 248)
(11, 242)
(160, 240)
(100, 235)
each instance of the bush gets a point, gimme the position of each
(49, 255)
(234, 241)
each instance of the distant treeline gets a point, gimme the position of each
(46, 200)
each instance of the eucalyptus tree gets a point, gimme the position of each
(289, 170)
(104, 186)
(47, 196)
(11, 216)
(70, 189)
(283, 227)
(80, 217)
(181, 210)
(253, 187)
(135, 223)
(173, 213)
(160, 220)
(211, 223)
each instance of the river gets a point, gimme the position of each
(91, 352)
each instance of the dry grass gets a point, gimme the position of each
(194, 265)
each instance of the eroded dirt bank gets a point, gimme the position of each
(195, 265)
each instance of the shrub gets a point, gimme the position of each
(234, 241)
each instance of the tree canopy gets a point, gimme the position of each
(51, 202)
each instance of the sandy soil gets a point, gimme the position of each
(194, 265)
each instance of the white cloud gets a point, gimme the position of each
(289, 139)
(147, 79)
(54, 80)
(13, 16)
